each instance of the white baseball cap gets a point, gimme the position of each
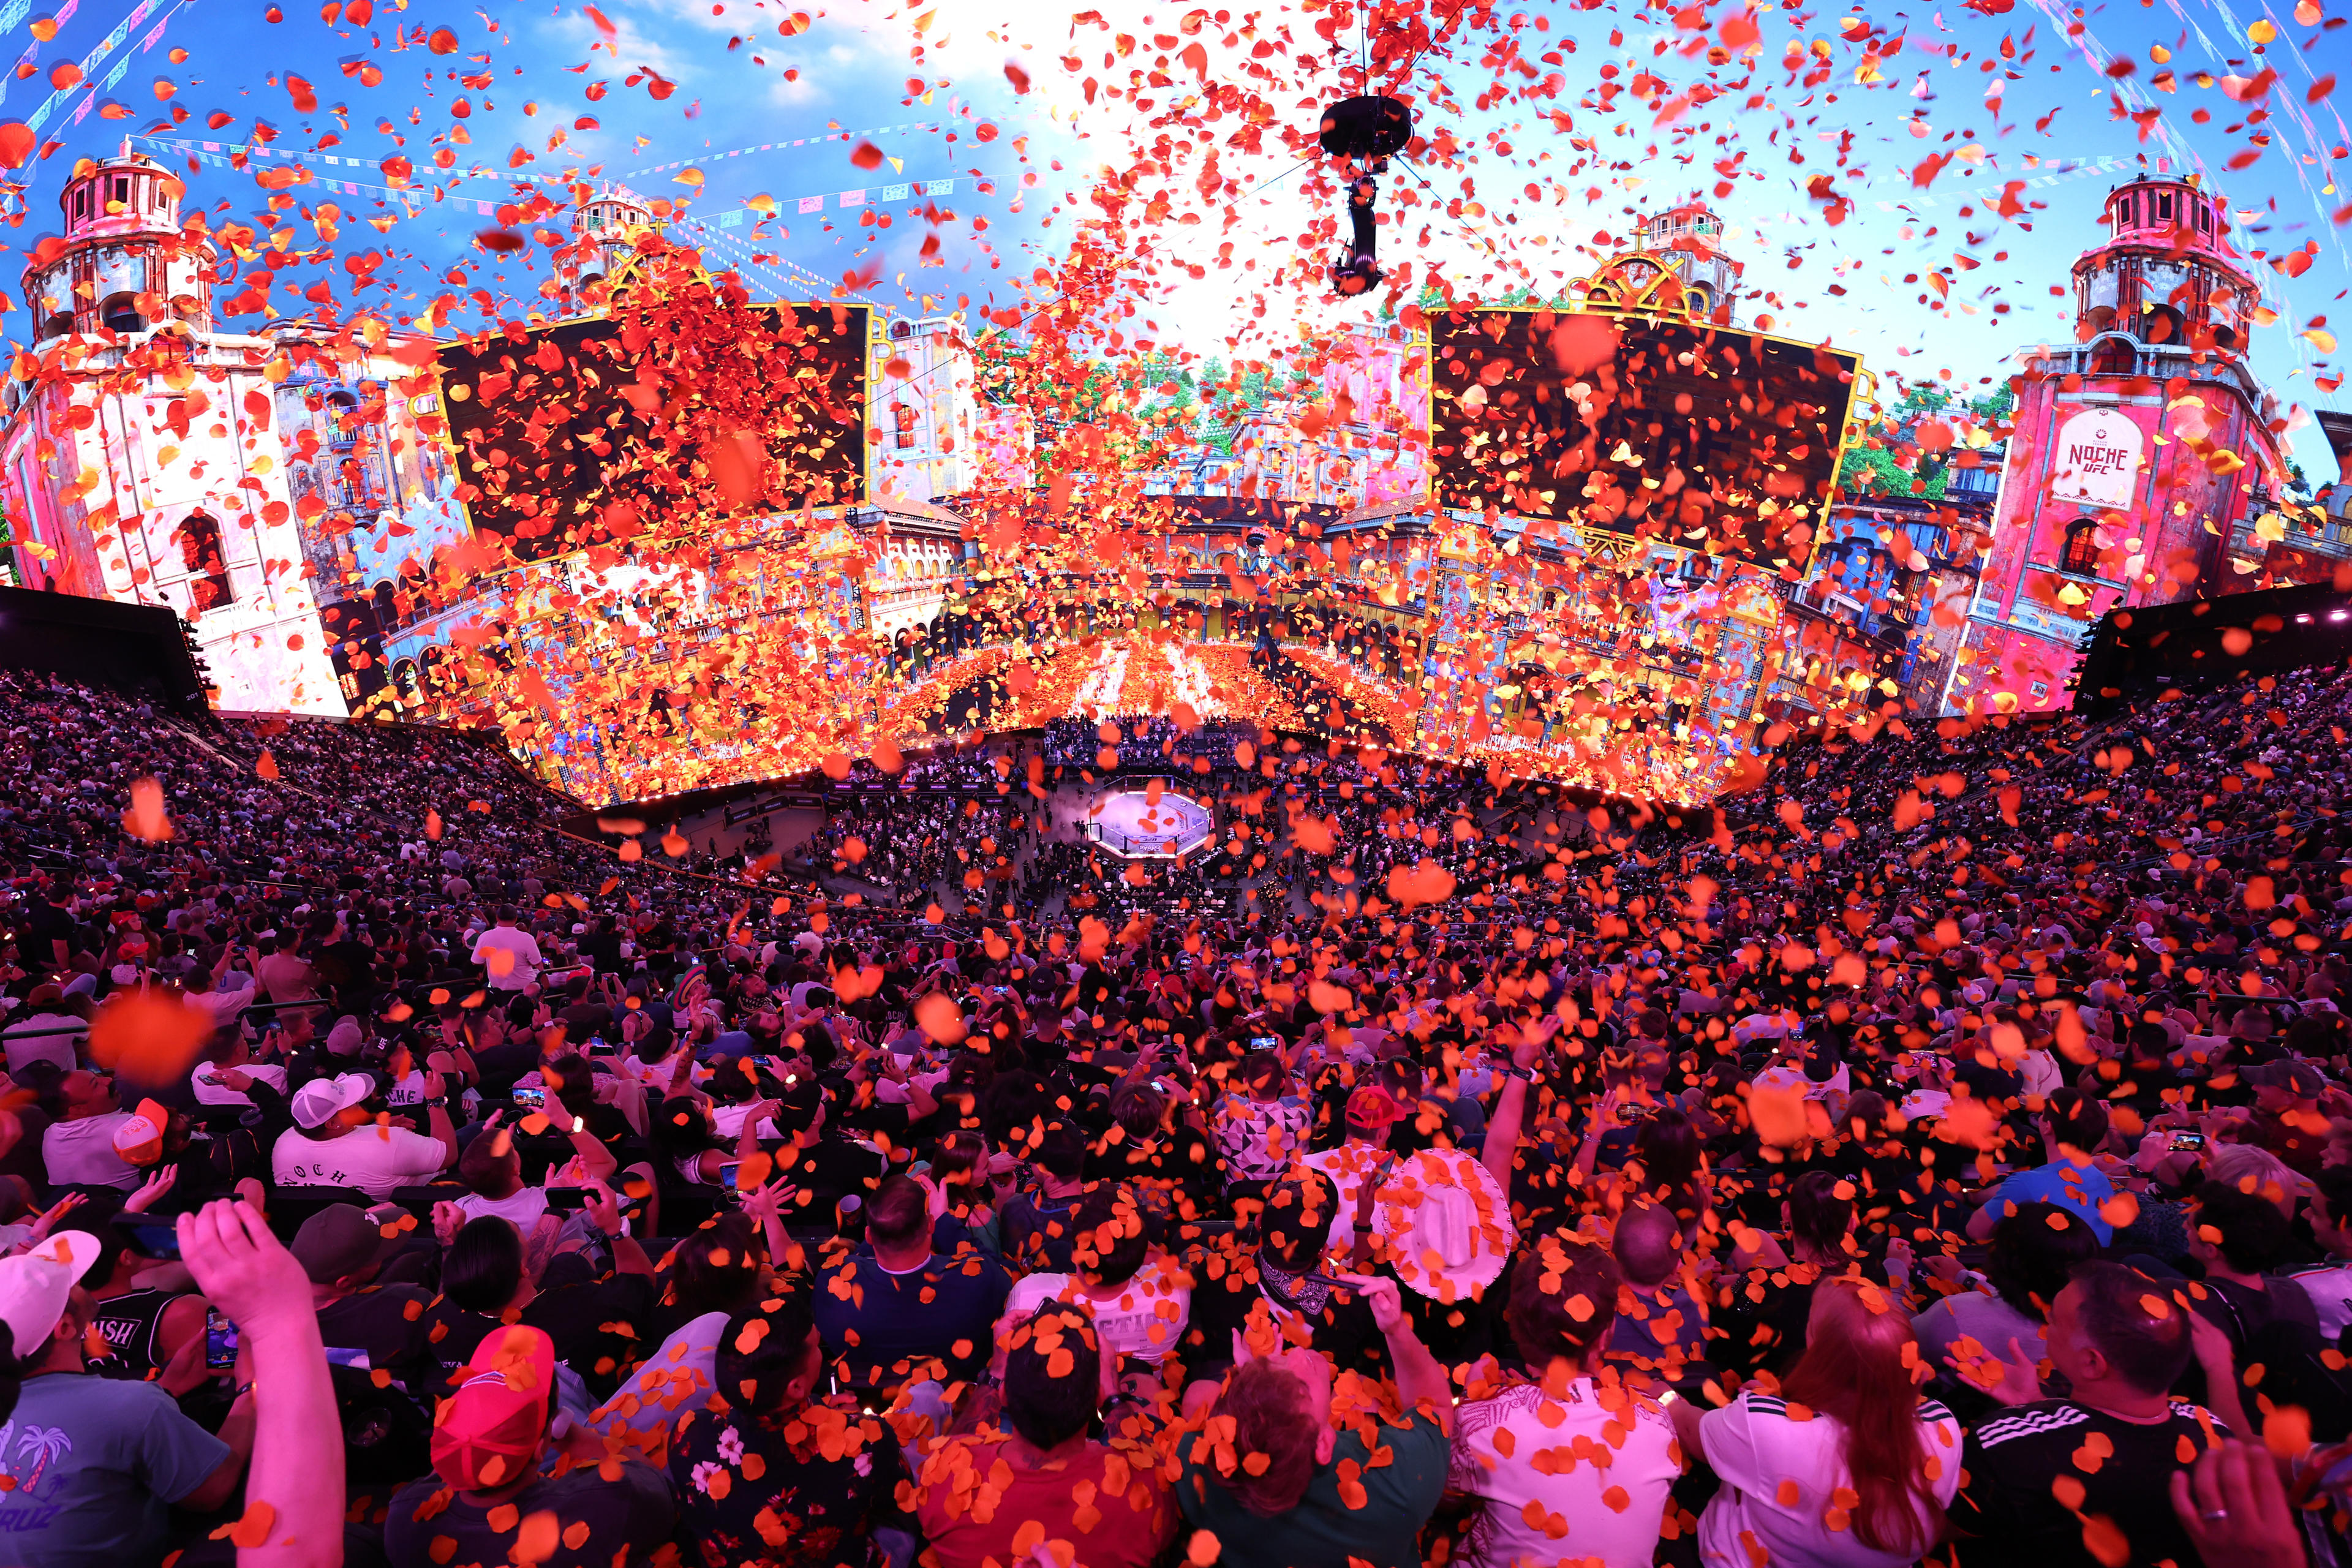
(316, 1101)
(34, 1285)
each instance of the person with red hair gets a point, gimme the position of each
(1289, 1470)
(1847, 1467)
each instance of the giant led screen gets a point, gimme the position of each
(595, 432)
(1706, 437)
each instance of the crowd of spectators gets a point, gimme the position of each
(1145, 743)
(1937, 1150)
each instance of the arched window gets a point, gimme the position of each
(2114, 357)
(120, 313)
(59, 324)
(903, 417)
(199, 541)
(2082, 556)
(387, 605)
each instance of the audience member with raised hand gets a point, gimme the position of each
(96, 1464)
(1295, 1480)
(294, 1483)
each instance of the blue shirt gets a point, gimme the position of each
(97, 1464)
(887, 1326)
(2080, 1189)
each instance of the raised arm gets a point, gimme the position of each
(295, 1479)
(1500, 1152)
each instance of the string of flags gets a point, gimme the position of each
(775, 266)
(89, 78)
(787, 146)
(223, 155)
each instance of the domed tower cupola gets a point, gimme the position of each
(610, 221)
(2167, 277)
(1689, 238)
(124, 265)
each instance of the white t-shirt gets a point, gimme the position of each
(210, 1090)
(222, 1006)
(1146, 1316)
(729, 1122)
(1754, 1447)
(25, 1047)
(513, 940)
(376, 1160)
(2042, 1073)
(2329, 1286)
(523, 1205)
(1501, 1471)
(83, 1152)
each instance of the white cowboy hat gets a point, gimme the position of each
(1442, 1223)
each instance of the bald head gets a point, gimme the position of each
(1648, 1243)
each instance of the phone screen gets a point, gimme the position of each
(150, 1238)
(728, 1173)
(534, 1098)
(220, 1341)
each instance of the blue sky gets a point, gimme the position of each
(869, 65)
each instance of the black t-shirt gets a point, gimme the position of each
(46, 923)
(1038, 1233)
(2006, 1505)
(628, 1520)
(348, 967)
(1759, 1318)
(501, 1065)
(796, 1507)
(1173, 1176)
(595, 1326)
(387, 1321)
(583, 1021)
(453, 1332)
(600, 1329)
(826, 1172)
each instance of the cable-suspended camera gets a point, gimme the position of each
(1364, 132)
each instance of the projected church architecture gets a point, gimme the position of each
(249, 479)
(2145, 465)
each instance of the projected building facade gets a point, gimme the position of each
(2145, 462)
(249, 479)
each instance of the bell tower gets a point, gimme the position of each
(124, 265)
(2139, 451)
(609, 221)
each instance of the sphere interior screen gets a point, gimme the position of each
(1711, 437)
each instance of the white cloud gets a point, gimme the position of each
(801, 92)
(634, 46)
